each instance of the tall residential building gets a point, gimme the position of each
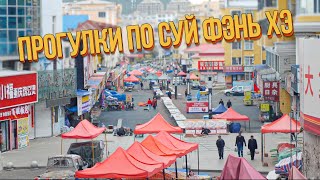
(101, 11)
(305, 82)
(240, 56)
(280, 52)
(150, 7)
(17, 18)
(179, 6)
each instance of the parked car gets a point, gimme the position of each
(236, 91)
(63, 167)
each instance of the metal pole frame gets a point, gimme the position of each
(262, 148)
(198, 161)
(164, 174)
(92, 152)
(61, 146)
(186, 166)
(176, 168)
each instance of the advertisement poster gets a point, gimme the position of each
(23, 131)
(197, 107)
(18, 90)
(271, 90)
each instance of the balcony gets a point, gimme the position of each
(295, 78)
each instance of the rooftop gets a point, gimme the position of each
(89, 24)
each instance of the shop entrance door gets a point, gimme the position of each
(14, 138)
(4, 126)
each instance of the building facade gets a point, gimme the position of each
(149, 7)
(307, 30)
(241, 56)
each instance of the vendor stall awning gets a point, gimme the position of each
(136, 73)
(84, 130)
(231, 115)
(158, 148)
(220, 109)
(131, 78)
(282, 125)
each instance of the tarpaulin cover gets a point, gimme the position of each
(296, 174)
(140, 153)
(174, 143)
(84, 130)
(120, 165)
(239, 168)
(155, 125)
(231, 115)
(181, 73)
(131, 78)
(158, 148)
(136, 73)
(220, 109)
(282, 125)
(284, 166)
(84, 149)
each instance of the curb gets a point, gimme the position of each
(22, 167)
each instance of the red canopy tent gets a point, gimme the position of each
(239, 168)
(285, 124)
(181, 73)
(158, 73)
(131, 78)
(232, 115)
(120, 165)
(155, 125)
(137, 151)
(84, 130)
(177, 144)
(296, 174)
(194, 77)
(158, 148)
(136, 72)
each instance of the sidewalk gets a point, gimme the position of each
(40, 149)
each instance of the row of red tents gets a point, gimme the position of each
(141, 160)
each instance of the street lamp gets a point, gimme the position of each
(210, 96)
(176, 82)
(188, 83)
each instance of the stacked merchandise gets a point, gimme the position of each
(284, 166)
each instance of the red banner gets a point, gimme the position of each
(210, 65)
(18, 90)
(233, 69)
(17, 112)
(197, 107)
(271, 90)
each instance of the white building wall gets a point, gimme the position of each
(42, 121)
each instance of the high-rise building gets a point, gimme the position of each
(150, 7)
(17, 18)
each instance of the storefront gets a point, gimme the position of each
(212, 69)
(233, 73)
(18, 93)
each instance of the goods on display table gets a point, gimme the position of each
(215, 126)
(178, 117)
(284, 166)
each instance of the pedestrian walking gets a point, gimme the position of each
(154, 103)
(220, 145)
(169, 94)
(186, 92)
(252, 146)
(221, 102)
(141, 84)
(149, 103)
(150, 85)
(229, 104)
(239, 143)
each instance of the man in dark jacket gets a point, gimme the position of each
(239, 143)
(221, 102)
(220, 144)
(252, 146)
(229, 104)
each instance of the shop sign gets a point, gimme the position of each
(57, 84)
(84, 104)
(18, 90)
(14, 112)
(271, 90)
(233, 69)
(264, 107)
(197, 107)
(23, 130)
(310, 86)
(248, 69)
(210, 65)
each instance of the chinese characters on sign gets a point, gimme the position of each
(233, 69)
(57, 84)
(210, 65)
(14, 113)
(271, 90)
(18, 90)
(197, 107)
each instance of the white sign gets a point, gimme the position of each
(308, 55)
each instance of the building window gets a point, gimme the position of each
(236, 61)
(102, 14)
(248, 60)
(248, 45)
(236, 13)
(236, 45)
(271, 3)
(264, 62)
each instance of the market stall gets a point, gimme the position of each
(136, 73)
(232, 115)
(219, 109)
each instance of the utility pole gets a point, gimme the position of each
(176, 82)
(210, 96)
